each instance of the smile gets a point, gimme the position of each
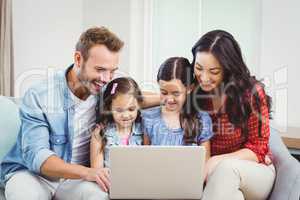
(100, 84)
(126, 120)
(206, 85)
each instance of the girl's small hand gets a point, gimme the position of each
(99, 126)
(96, 131)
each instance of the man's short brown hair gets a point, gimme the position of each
(95, 36)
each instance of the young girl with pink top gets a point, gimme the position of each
(119, 120)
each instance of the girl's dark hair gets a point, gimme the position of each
(181, 69)
(123, 85)
(236, 78)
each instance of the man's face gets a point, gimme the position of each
(98, 69)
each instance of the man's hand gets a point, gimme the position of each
(100, 176)
(58, 168)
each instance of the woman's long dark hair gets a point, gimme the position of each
(236, 78)
(181, 69)
(123, 85)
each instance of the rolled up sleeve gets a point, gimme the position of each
(259, 143)
(34, 132)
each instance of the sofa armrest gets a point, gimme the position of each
(2, 195)
(287, 183)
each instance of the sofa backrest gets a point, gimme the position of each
(9, 124)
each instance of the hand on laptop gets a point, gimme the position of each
(100, 176)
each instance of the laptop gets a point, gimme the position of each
(156, 172)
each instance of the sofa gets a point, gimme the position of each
(9, 127)
(286, 187)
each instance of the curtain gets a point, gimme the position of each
(6, 49)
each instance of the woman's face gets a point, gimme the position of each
(208, 71)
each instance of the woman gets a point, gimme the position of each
(240, 110)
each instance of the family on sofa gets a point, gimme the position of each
(70, 122)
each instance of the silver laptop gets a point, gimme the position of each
(156, 172)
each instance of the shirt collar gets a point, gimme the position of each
(67, 92)
(136, 129)
(71, 99)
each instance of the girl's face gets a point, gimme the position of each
(172, 94)
(208, 71)
(124, 110)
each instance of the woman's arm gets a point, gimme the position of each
(96, 151)
(150, 99)
(258, 136)
(243, 154)
(256, 146)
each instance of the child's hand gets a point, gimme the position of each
(100, 176)
(96, 131)
(99, 127)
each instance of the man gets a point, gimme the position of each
(51, 156)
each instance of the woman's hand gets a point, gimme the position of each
(268, 160)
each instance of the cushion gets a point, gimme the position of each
(2, 196)
(287, 183)
(9, 124)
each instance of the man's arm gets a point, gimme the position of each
(56, 167)
(36, 152)
(34, 132)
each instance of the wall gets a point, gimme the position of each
(176, 27)
(280, 45)
(242, 18)
(113, 14)
(45, 33)
(46, 37)
(128, 19)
